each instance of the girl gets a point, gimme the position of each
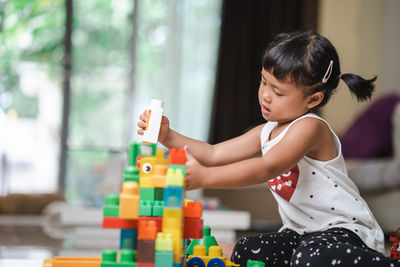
(325, 221)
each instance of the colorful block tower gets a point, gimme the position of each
(150, 211)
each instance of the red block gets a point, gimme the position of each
(193, 228)
(118, 223)
(193, 209)
(158, 221)
(145, 264)
(177, 156)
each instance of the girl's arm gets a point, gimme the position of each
(300, 140)
(233, 150)
(239, 148)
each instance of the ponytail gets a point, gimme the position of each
(359, 86)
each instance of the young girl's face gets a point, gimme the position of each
(280, 101)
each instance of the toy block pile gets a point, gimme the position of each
(151, 212)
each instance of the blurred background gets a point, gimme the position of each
(75, 75)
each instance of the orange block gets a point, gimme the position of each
(129, 201)
(158, 179)
(177, 156)
(72, 262)
(193, 209)
(147, 230)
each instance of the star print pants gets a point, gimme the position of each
(333, 247)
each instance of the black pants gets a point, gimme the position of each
(333, 247)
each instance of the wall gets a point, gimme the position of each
(354, 28)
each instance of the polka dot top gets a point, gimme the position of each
(317, 195)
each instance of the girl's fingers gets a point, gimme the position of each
(141, 124)
(143, 118)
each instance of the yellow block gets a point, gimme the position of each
(172, 219)
(129, 201)
(147, 165)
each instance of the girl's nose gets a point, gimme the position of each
(267, 96)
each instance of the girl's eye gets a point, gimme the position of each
(262, 82)
(278, 94)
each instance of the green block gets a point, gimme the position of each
(251, 263)
(164, 259)
(177, 166)
(158, 208)
(146, 207)
(109, 258)
(207, 241)
(147, 193)
(131, 173)
(159, 193)
(111, 206)
(139, 149)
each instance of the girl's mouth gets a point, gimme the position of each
(265, 110)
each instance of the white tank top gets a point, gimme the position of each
(317, 195)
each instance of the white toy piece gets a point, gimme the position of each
(153, 124)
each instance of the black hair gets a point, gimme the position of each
(303, 58)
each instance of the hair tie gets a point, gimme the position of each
(328, 72)
(340, 76)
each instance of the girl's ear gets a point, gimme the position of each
(315, 99)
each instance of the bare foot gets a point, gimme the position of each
(226, 249)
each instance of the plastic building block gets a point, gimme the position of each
(178, 166)
(164, 242)
(147, 230)
(153, 124)
(164, 259)
(111, 206)
(172, 219)
(252, 263)
(131, 173)
(148, 163)
(151, 208)
(109, 258)
(175, 177)
(147, 193)
(159, 194)
(136, 150)
(129, 201)
(145, 252)
(128, 239)
(158, 179)
(158, 208)
(207, 241)
(118, 223)
(72, 262)
(145, 208)
(193, 228)
(145, 264)
(177, 156)
(158, 221)
(194, 209)
(173, 197)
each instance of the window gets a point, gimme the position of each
(174, 59)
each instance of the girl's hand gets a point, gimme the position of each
(164, 128)
(195, 172)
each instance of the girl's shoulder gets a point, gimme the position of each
(325, 144)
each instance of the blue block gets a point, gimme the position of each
(177, 264)
(164, 259)
(128, 239)
(173, 196)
